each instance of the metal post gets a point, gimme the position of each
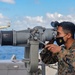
(27, 52)
(43, 68)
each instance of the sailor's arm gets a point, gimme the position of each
(61, 51)
(68, 56)
(53, 48)
(48, 57)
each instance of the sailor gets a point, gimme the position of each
(65, 49)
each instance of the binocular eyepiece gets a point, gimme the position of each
(54, 24)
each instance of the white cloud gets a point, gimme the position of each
(60, 17)
(21, 23)
(8, 1)
(38, 19)
(1, 16)
(55, 15)
(3, 19)
(44, 21)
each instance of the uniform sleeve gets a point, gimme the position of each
(68, 56)
(48, 57)
(72, 59)
(62, 53)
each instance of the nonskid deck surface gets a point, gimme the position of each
(8, 67)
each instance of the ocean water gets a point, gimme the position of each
(6, 52)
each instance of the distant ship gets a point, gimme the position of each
(4, 27)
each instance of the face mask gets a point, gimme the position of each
(60, 41)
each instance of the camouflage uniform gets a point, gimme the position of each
(66, 61)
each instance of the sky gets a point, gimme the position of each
(23, 14)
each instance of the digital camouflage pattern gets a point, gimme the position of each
(65, 59)
(48, 57)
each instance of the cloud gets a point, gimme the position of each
(60, 17)
(1, 16)
(3, 19)
(21, 23)
(8, 1)
(30, 22)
